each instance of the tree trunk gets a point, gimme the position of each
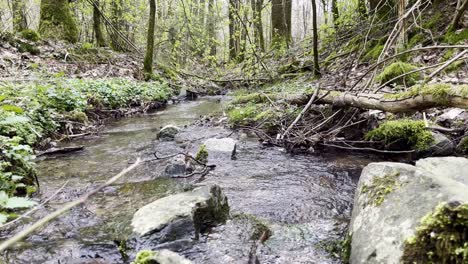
(117, 21)
(280, 22)
(462, 5)
(100, 41)
(57, 22)
(20, 22)
(257, 6)
(335, 12)
(233, 28)
(402, 38)
(315, 32)
(212, 27)
(148, 63)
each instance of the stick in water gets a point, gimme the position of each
(8, 243)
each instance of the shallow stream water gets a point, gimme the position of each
(304, 200)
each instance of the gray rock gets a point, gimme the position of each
(442, 145)
(178, 167)
(178, 216)
(451, 116)
(166, 257)
(168, 132)
(221, 147)
(380, 224)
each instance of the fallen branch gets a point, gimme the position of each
(369, 149)
(19, 236)
(461, 54)
(64, 150)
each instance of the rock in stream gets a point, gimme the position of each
(391, 199)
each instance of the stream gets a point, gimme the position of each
(304, 199)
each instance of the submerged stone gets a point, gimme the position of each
(387, 213)
(182, 215)
(442, 145)
(178, 167)
(168, 132)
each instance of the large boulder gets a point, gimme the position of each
(392, 198)
(168, 132)
(182, 215)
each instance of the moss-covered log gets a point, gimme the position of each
(57, 21)
(416, 99)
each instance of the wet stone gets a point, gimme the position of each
(168, 132)
(180, 216)
(221, 147)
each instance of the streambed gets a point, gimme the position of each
(304, 200)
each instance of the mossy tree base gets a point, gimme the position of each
(57, 21)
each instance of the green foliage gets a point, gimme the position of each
(455, 37)
(433, 22)
(415, 40)
(30, 35)
(380, 187)
(26, 47)
(202, 155)
(403, 133)
(374, 53)
(463, 146)
(396, 69)
(441, 237)
(145, 257)
(440, 92)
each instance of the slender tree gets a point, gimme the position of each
(148, 63)
(117, 13)
(57, 22)
(257, 6)
(212, 27)
(315, 37)
(281, 22)
(234, 33)
(98, 34)
(335, 12)
(20, 22)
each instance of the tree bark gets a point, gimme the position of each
(20, 22)
(212, 27)
(234, 33)
(57, 22)
(148, 63)
(257, 6)
(116, 19)
(281, 22)
(462, 5)
(335, 12)
(315, 32)
(98, 34)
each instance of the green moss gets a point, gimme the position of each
(403, 133)
(250, 98)
(442, 237)
(26, 47)
(415, 40)
(145, 257)
(463, 146)
(57, 21)
(454, 38)
(380, 187)
(433, 22)
(396, 69)
(77, 116)
(30, 35)
(244, 115)
(340, 248)
(440, 92)
(374, 52)
(202, 155)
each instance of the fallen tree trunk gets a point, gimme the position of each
(385, 103)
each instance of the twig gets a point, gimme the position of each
(304, 110)
(8, 243)
(461, 54)
(369, 149)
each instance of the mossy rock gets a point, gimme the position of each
(202, 154)
(402, 134)
(396, 69)
(442, 237)
(380, 187)
(24, 47)
(30, 35)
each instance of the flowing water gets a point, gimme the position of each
(304, 200)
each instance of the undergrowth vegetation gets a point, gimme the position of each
(31, 112)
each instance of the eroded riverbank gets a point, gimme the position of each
(304, 200)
